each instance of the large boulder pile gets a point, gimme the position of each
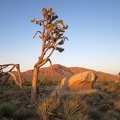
(80, 82)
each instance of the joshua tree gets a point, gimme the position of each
(51, 36)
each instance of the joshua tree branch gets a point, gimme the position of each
(14, 78)
(36, 33)
(20, 82)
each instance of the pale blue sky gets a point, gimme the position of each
(94, 33)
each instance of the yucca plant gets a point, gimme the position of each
(46, 109)
(71, 109)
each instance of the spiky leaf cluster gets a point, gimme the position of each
(60, 49)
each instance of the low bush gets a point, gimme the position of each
(20, 114)
(7, 110)
(117, 106)
(27, 83)
(113, 115)
(94, 114)
(104, 107)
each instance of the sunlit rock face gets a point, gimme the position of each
(77, 83)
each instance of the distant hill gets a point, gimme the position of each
(57, 72)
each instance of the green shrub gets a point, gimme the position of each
(90, 101)
(113, 115)
(46, 81)
(27, 83)
(93, 98)
(21, 114)
(94, 114)
(104, 107)
(117, 106)
(111, 103)
(7, 110)
(82, 116)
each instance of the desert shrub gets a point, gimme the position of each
(111, 90)
(113, 115)
(90, 101)
(94, 114)
(83, 96)
(7, 110)
(92, 98)
(16, 102)
(117, 86)
(111, 102)
(106, 98)
(20, 114)
(27, 83)
(81, 116)
(104, 107)
(101, 95)
(111, 87)
(4, 97)
(105, 88)
(46, 81)
(97, 85)
(104, 82)
(117, 106)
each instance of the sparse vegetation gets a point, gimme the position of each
(104, 104)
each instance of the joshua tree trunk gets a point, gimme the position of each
(37, 66)
(34, 84)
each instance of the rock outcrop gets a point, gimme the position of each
(77, 83)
